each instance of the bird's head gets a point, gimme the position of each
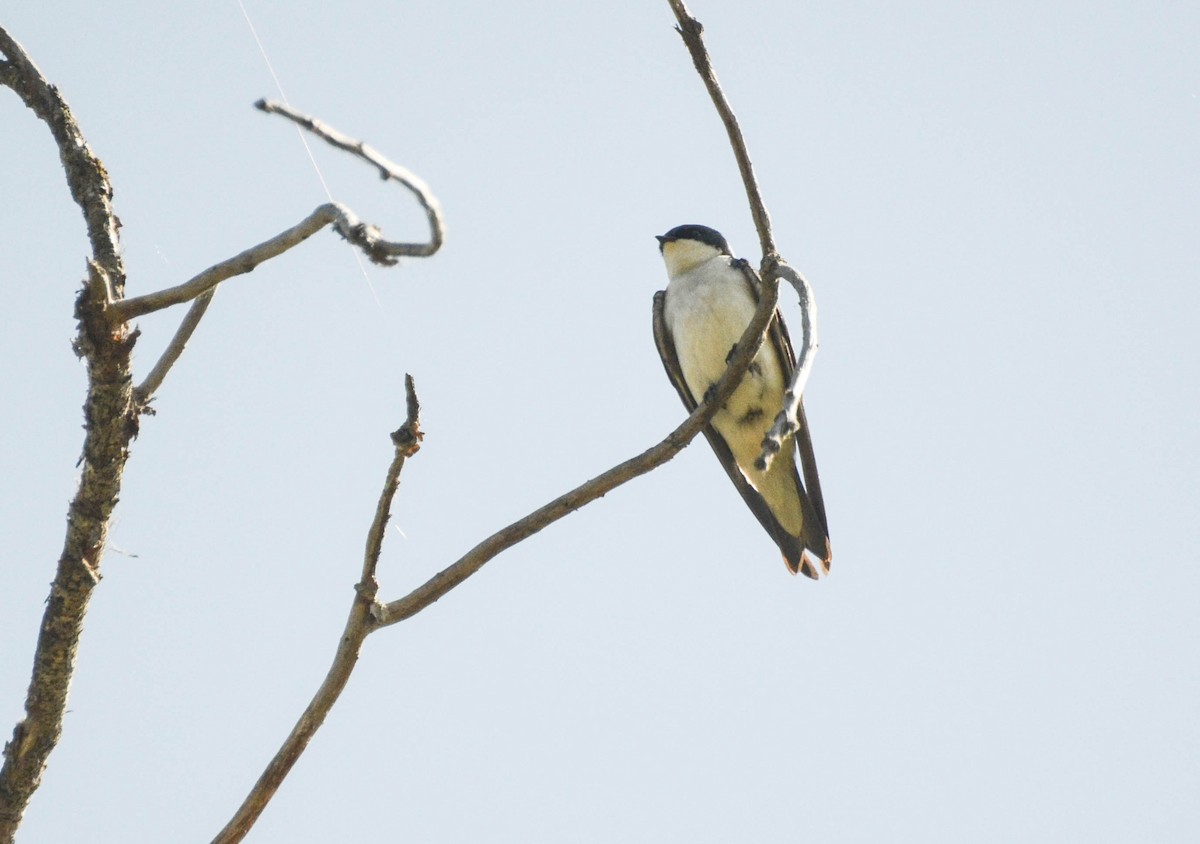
(686, 247)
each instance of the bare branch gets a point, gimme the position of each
(445, 580)
(367, 237)
(368, 615)
(85, 174)
(359, 625)
(244, 262)
(787, 421)
(111, 422)
(387, 170)
(146, 390)
(691, 31)
(407, 440)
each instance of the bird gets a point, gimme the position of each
(698, 320)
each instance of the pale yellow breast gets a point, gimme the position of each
(706, 313)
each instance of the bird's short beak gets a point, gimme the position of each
(661, 238)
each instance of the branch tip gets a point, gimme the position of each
(692, 31)
(407, 438)
(380, 251)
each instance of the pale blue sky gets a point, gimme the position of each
(997, 205)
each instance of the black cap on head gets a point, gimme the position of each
(695, 232)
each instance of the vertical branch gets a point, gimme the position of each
(86, 178)
(360, 624)
(691, 31)
(111, 423)
(105, 340)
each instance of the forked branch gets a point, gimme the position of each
(368, 614)
(105, 340)
(246, 261)
(363, 235)
(111, 424)
(200, 289)
(747, 347)
(445, 580)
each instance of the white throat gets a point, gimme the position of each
(682, 256)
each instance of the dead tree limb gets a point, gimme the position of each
(200, 289)
(383, 615)
(363, 235)
(380, 615)
(112, 409)
(388, 171)
(112, 422)
(105, 340)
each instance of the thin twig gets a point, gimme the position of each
(387, 170)
(145, 391)
(244, 262)
(787, 420)
(691, 31)
(360, 623)
(364, 235)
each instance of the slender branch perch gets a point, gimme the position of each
(787, 420)
(773, 267)
(358, 626)
(445, 580)
(106, 341)
(691, 31)
(112, 409)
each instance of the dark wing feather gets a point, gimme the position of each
(808, 461)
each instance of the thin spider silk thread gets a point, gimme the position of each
(304, 140)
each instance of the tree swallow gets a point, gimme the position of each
(698, 320)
